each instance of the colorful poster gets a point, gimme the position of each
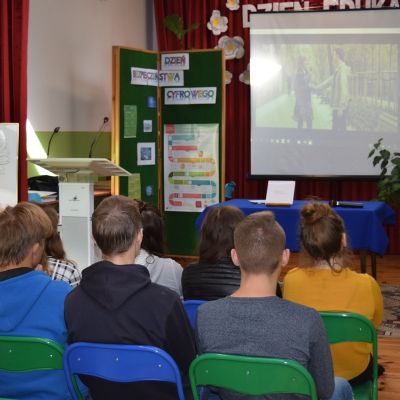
(191, 164)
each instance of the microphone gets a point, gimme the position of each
(97, 137)
(346, 204)
(56, 130)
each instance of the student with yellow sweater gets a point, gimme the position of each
(327, 285)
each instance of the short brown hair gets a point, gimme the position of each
(115, 224)
(21, 227)
(321, 232)
(259, 243)
(216, 235)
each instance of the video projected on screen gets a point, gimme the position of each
(350, 87)
(325, 86)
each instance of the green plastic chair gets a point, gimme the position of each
(350, 327)
(251, 375)
(28, 354)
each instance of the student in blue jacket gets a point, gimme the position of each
(31, 304)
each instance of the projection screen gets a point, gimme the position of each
(324, 88)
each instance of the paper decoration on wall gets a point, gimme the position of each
(9, 135)
(146, 154)
(233, 5)
(147, 125)
(130, 121)
(232, 46)
(190, 95)
(175, 61)
(170, 78)
(134, 187)
(218, 24)
(245, 76)
(151, 102)
(144, 76)
(228, 77)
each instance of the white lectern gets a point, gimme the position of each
(76, 202)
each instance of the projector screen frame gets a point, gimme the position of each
(324, 176)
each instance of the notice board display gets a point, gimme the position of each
(168, 130)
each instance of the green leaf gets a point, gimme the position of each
(378, 143)
(376, 160)
(396, 161)
(385, 154)
(371, 153)
(175, 24)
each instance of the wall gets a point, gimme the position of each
(70, 68)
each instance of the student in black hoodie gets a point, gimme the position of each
(116, 302)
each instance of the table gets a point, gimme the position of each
(364, 226)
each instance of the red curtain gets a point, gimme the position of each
(13, 75)
(237, 157)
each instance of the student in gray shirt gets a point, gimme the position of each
(254, 322)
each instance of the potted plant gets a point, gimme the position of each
(389, 163)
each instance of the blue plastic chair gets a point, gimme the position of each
(191, 307)
(120, 363)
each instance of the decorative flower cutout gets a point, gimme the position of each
(233, 5)
(245, 76)
(232, 46)
(218, 23)
(228, 77)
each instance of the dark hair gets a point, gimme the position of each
(153, 229)
(21, 227)
(216, 234)
(259, 243)
(115, 224)
(54, 246)
(321, 234)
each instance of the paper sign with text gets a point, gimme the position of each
(144, 76)
(174, 61)
(195, 95)
(170, 78)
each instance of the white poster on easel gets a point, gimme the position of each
(9, 135)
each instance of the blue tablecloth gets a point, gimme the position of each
(364, 226)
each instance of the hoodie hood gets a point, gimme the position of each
(16, 301)
(112, 285)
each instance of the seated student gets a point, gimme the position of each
(31, 303)
(327, 285)
(253, 321)
(214, 276)
(56, 264)
(116, 302)
(164, 271)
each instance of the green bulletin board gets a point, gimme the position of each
(131, 103)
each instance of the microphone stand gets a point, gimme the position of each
(96, 139)
(56, 130)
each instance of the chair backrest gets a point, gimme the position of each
(351, 327)
(191, 307)
(28, 354)
(251, 375)
(120, 363)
